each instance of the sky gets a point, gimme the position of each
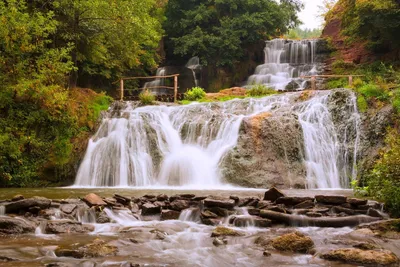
(309, 15)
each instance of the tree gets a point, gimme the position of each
(218, 30)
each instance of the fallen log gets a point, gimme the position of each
(299, 220)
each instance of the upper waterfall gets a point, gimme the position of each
(286, 61)
(186, 145)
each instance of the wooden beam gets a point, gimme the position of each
(150, 77)
(313, 83)
(122, 89)
(175, 88)
(350, 81)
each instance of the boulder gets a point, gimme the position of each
(364, 257)
(245, 221)
(294, 242)
(68, 208)
(72, 253)
(10, 226)
(162, 197)
(17, 197)
(208, 214)
(122, 200)
(263, 204)
(305, 205)
(150, 209)
(292, 201)
(357, 201)
(169, 215)
(94, 200)
(220, 203)
(179, 204)
(98, 248)
(334, 200)
(224, 231)
(25, 204)
(273, 194)
(374, 213)
(67, 226)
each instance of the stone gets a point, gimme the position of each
(219, 242)
(294, 242)
(68, 208)
(305, 205)
(339, 209)
(179, 204)
(235, 198)
(61, 252)
(292, 201)
(187, 196)
(208, 214)
(211, 221)
(60, 264)
(150, 209)
(221, 203)
(248, 201)
(221, 211)
(122, 200)
(99, 248)
(161, 204)
(313, 214)
(245, 221)
(94, 200)
(12, 226)
(224, 231)
(25, 204)
(374, 213)
(267, 254)
(169, 215)
(253, 211)
(364, 257)
(263, 204)
(357, 201)
(366, 246)
(162, 197)
(273, 194)
(334, 200)
(17, 197)
(278, 209)
(67, 227)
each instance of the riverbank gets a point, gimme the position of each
(234, 228)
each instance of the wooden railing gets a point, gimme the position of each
(175, 87)
(314, 79)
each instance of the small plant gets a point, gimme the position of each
(362, 103)
(357, 83)
(194, 94)
(372, 90)
(260, 90)
(146, 97)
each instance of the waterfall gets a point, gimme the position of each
(285, 62)
(2, 210)
(185, 145)
(194, 64)
(158, 82)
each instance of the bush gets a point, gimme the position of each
(260, 90)
(194, 94)
(146, 97)
(373, 91)
(396, 100)
(362, 103)
(357, 83)
(337, 83)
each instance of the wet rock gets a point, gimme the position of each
(122, 200)
(179, 204)
(244, 221)
(278, 208)
(339, 209)
(305, 205)
(248, 201)
(384, 228)
(10, 226)
(221, 203)
(187, 196)
(313, 214)
(103, 218)
(273, 194)
(169, 215)
(224, 231)
(366, 246)
(208, 214)
(150, 209)
(24, 204)
(67, 226)
(161, 204)
(334, 200)
(292, 86)
(292, 201)
(17, 197)
(68, 208)
(220, 211)
(60, 264)
(365, 257)
(94, 200)
(294, 242)
(357, 201)
(235, 198)
(34, 210)
(263, 241)
(211, 221)
(199, 198)
(162, 197)
(267, 254)
(7, 259)
(253, 211)
(374, 213)
(135, 207)
(219, 242)
(263, 204)
(99, 248)
(61, 252)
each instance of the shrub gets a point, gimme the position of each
(146, 97)
(362, 103)
(196, 93)
(260, 90)
(373, 91)
(357, 83)
(337, 83)
(396, 100)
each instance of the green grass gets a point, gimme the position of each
(146, 97)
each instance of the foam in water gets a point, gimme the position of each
(184, 145)
(285, 61)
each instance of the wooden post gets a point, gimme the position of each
(350, 81)
(122, 89)
(175, 88)
(313, 84)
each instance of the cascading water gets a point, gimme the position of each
(194, 64)
(158, 82)
(285, 62)
(185, 145)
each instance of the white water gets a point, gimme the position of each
(285, 61)
(2, 210)
(194, 64)
(157, 82)
(184, 146)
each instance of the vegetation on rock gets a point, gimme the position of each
(146, 97)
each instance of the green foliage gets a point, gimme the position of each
(260, 90)
(194, 94)
(218, 31)
(146, 97)
(384, 180)
(362, 103)
(299, 33)
(396, 100)
(337, 83)
(373, 91)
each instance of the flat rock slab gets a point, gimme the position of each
(273, 194)
(365, 257)
(24, 204)
(169, 215)
(94, 200)
(10, 226)
(225, 231)
(150, 209)
(226, 203)
(68, 208)
(357, 201)
(292, 201)
(67, 226)
(335, 200)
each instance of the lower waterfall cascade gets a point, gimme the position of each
(159, 146)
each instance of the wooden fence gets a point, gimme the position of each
(175, 87)
(314, 79)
